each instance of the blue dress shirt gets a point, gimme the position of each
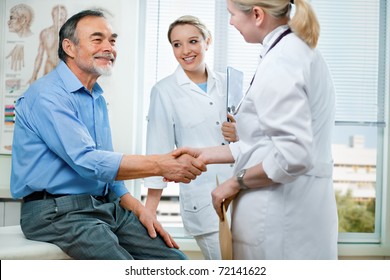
(62, 139)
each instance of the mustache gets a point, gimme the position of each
(110, 56)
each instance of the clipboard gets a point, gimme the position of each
(225, 235)
(235, 79)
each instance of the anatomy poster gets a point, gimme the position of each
(29, 33)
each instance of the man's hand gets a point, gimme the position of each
(229, 131)
(148, 218)
(181, 167)
(193, 152)
(178, 168)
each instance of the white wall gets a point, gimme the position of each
(5, 171)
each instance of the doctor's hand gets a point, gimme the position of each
(229, 130)
(193, 152)
(181, 167)
(224, 193)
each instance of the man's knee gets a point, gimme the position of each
(180, 255)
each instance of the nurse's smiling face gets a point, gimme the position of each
(189, 47)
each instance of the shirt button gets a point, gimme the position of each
(211, 103)
(194, 207)
(223, 143)
(217, 123)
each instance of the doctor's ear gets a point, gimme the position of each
(259, 14)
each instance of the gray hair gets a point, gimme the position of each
(68, 30)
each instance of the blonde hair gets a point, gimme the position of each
(191, 20)
(304, 23)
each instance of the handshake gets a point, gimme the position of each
(185, 164)
(182, 165)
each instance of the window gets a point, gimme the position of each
(354, 42)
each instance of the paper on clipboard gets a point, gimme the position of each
(225, 235)
(235, 80)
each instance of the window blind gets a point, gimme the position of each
(351, 31)
(350, 40)
(159, 59)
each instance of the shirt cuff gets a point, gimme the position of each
(155, 183)
(274, 171)
(108, 166)
(119, 188)
(235, 149)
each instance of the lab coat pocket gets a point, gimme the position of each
(196, 206)
(199, 216)
(249, 216)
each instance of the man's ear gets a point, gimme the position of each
(69, 47)
(258, 14)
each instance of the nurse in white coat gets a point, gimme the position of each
(189, 108)
(283, 199)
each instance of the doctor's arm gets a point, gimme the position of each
(153, 199)
(255, 177)
(208, 155)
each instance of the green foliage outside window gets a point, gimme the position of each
(355, 215)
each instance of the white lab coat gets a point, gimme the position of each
(285, 122)
(182, 114)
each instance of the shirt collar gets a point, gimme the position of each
(271, 37)
(183, 79)
(71, 82)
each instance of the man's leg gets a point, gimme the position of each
(75, 224)
(134, 237)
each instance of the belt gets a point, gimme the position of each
(41, 195)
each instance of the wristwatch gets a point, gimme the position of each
(240, 178)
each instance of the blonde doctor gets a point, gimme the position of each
(283, 199)
(188, 108)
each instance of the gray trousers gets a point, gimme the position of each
(88, 228)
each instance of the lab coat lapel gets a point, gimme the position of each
(189, 86)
